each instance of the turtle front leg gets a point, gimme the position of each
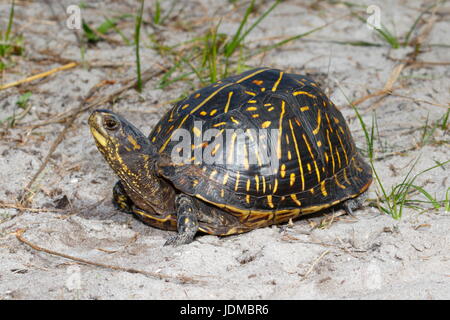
(120, 199)
(187, 221)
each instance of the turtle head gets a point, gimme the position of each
(124, 147)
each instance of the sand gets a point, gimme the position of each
(366, 256)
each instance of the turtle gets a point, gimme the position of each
(249, 151)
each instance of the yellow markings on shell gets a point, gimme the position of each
(247, 198)
(257, 183)
(247, 187)
(255, 115)
(343, 148)
(329, 122)
(294, 198)
(338, 157)
(231, 151)
(197, 95)
(133, 141)
(250, 93)
(212, 174)
(345, 177)
(196, 131)
(326, 157)
(213, 112)
(222, 193)
(265, 124)
(319, 120)
(289, 155)
(264, 184)
(269, 201)
(323, 189)
(230, 94)
(305, 108)
(252, 101)
(270, 109)
(251, 108)
(263, 89)
(354, 164)
(225, 179)
(219, 124)
(275, 186)
(275, 86)
(185, 106)
(237, 181)
(258, 82)
(154, 139)
(251, 75)
(336, 120)
(298, 155)
(194, 110)
(234, 120)
(312, 190)
(296, 93)
(203, 113)
(283, 170)
(341, 130)
(331, 149)
(309, 167)
(280, 128)
(99, 138)
(195, 183)
(312, 157)
(291, 179)
(267, 104)
(338, 183)
(214, 150)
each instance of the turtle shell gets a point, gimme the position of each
(261, 141)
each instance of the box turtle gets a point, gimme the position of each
(249, 151)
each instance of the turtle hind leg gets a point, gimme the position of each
(120, 199)
(354, 203)
(187, 221)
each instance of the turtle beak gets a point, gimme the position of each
(95, 124)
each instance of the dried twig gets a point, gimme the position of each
(39, 75)
(180, 279)
(315, 263)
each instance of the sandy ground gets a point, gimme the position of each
(368, 256)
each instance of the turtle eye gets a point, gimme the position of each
(110, 123)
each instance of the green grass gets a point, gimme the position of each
(136, 44)
(10, 44)
(386, 35)
(215, 55)
(429, 129)
(21, 103)
(392, 201)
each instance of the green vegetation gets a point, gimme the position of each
(21, 103)
(393, 201)
(137, 33)
(10, 44)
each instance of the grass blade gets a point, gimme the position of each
(136, 43)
